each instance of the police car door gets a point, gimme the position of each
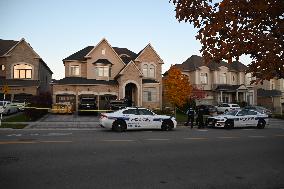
(132, 118)
(252, 118)
(146, 118)
(241, 118)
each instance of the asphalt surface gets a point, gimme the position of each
(183, 158)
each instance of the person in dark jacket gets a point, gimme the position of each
(200, 114)
(190, 117)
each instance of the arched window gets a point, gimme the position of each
(22, 71)
(151, 71)
(145, 70)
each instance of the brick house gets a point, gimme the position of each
(222, 82)
(270, 94)
(105, 72)
(23, 70)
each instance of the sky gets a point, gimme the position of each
(58, 28)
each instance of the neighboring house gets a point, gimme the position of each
(105, 72)
(22, 70)
(222, 82)
(271, 95)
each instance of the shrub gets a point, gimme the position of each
(35, 112)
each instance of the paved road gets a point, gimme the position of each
(184, 158)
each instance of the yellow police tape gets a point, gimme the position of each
(62, 109)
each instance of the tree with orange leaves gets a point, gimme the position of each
(231, 28)
(177, 88)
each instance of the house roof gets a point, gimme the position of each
(80, 55)
(19, 82)
(194, 62)
(102, 61)
(45, 65)
(149, 81)
(83, 81)
(268, 93)
(6, 45)
(225, 87)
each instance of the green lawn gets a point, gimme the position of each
(181, 117)
(6, 122)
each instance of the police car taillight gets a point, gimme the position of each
(103, 116)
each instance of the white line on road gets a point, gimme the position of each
(229, 137)
(202, 130)
(57, 134)
(118, 140)
(257, 136)
(248, 129)
(195, 138)
(157, 139)
(279, 135)
(14, 135)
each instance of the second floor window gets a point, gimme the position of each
(103, 71)
(223, 78)
(203, 78)
(22, 71)
(148, 70)
(75, 70)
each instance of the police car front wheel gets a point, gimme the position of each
(167, 125)
(229, 124)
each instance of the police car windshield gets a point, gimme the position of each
(233, 112)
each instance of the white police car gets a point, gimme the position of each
(131, 118)
(239, 118)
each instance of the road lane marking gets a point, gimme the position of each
(195, 138)
(14, 135)
(249, 129)
(58, 134)
(279, 135)
(118, 140)
(229, 137)
(55, 141)
(257, 136)
(157, 139)
(17, 142)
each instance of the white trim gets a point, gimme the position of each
(12, 71)
(87, 92)
(64, 92)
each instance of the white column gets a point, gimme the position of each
(221, 92)
(244, 96)
(237, 96)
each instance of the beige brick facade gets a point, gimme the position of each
(21, 53)
(105, 70)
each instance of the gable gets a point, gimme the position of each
(104, 52)
(23, 50)
(148, 54)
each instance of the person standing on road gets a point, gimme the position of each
(190, 116)
(200, 114)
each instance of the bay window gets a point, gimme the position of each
(22, 71)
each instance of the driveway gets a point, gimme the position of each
(73, 121)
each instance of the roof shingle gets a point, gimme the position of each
(6, 45)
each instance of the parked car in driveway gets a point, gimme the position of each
(62, 108)
(260, 109)
(7, 108)
(225, 107)
(19, 104)
(132, 118)
(87, 105)
(239, 118)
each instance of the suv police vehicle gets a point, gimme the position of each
(239, 118)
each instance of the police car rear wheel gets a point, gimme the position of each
(261, 124)
(167, 125)
(119, 126)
